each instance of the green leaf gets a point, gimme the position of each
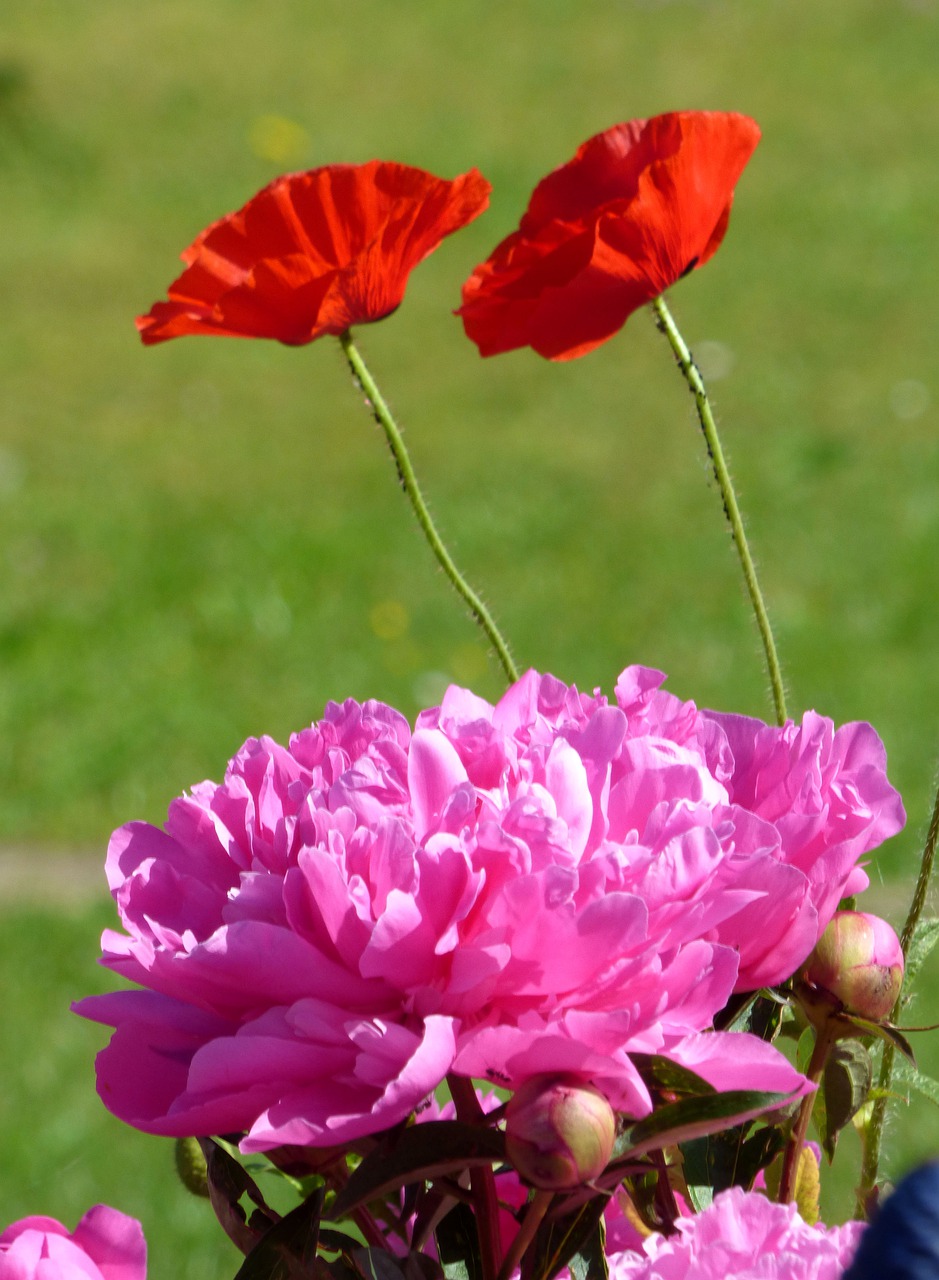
(915, 1079)
(805, 1047)
(458, 1244)
(288, 1250)
(820, 1122)
(418, 1154)
(846, 1083)
(679, 1122)
(589, 1262)
(558, 1240)
(227, 1183)
(663, 1077)
(759, 1013)
(883, 1031)
(925, 937)
(728, 1159)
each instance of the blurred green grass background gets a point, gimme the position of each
(204, 541)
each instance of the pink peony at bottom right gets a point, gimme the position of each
(745, 1236)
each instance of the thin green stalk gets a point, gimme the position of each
(534, 1216)
(824, 1039)
(696, 386)
(410, 486)
(875, 1127)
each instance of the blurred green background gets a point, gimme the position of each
(204, 541)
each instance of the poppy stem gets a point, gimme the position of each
(692, 376)
(410, 486)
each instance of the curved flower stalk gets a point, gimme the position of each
(546, 885)
(638, 207)
(318, 253)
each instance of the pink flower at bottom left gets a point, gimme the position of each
(106, 1245)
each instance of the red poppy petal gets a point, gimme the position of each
(683, 198)
(562, 302)
(314, 253)
(605, 167)
(276, 301)
(650, 200)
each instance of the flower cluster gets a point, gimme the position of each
(638, 207)
(545, 885)
(559, 894)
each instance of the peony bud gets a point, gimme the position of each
(858, 960)
(559, 1132)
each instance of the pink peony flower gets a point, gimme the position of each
(745, 1236)
(825, 790)
(106, 1245)
(543, 886)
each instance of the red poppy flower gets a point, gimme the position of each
(637, 207)
(314, 253)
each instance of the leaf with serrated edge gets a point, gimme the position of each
(925, 937)
(915, 1079)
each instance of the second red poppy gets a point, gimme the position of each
(638, 206)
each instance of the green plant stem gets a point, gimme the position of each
(875, 1128)
(410, 486)
(824, 1039)
(482, 1181)
(692, 376)
(532, 1220)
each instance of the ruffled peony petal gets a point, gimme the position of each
(729, 1060)
(743, 1235)
(115, 1242)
